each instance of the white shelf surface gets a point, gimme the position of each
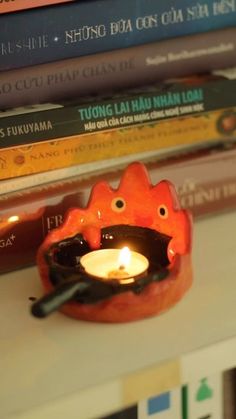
(61, 367)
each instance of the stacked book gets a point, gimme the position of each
(88, 86)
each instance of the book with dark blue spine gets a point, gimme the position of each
(86, 27)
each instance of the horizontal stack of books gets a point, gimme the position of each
(88, 86)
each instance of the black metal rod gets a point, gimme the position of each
(89, 291)
(57, 297)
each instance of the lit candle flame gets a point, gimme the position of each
(124, 258)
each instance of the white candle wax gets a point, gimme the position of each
(104, 262)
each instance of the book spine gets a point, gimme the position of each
(162, 137)
(166, 405)
(34, 227)
(7, 6)
(127, 67)
(229, 391)
(206, 185)
(71, 30)
(195, 96)
(205, 397)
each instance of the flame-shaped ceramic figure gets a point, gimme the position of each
(137, 208)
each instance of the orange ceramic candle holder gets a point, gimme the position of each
(148, 219)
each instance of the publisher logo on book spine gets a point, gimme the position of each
(226, 123)
(19, 160)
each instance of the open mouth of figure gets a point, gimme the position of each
(63, 259)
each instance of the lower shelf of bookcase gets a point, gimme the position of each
(60, 367)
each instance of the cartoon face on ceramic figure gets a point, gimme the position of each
(136, 202)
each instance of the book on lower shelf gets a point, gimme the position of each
(212, 397)
(161, 406)
(229, 392)
(202, 399)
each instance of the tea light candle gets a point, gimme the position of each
(121, 264)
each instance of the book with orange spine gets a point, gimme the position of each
(7, 6)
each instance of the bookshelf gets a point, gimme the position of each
(60, 367)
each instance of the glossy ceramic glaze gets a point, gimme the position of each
(136, 203)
